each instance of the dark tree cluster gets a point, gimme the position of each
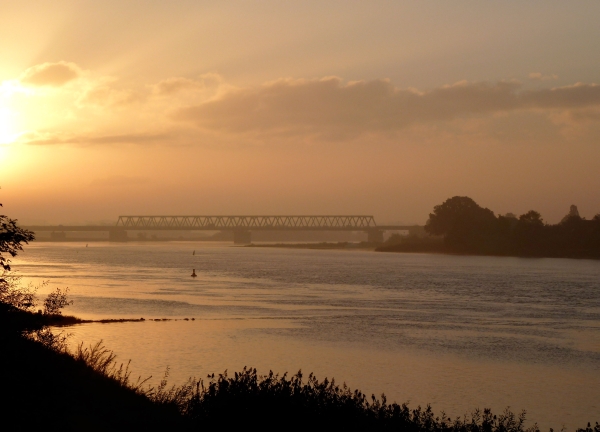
(18, 302)
(11, 239)
(467, 227)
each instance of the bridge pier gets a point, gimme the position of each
(375, 236)
(117, 235)
(242, 237)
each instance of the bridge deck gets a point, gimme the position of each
(229, 223)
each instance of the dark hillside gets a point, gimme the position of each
(47, 390)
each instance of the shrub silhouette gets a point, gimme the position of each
(274, 402)
(56, 301)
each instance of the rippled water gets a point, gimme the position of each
(457, 332)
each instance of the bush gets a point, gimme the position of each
(273, 402)
(56, 301)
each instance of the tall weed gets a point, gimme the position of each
(103, 361)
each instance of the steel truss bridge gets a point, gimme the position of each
(242, 226)
(247, 222)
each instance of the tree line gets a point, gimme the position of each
(460, 225)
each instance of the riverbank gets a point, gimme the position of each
(321, 245)
(440, 248)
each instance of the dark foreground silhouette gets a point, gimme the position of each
(461, 226)
(45, 387)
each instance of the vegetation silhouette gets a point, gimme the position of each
(460, 225)
(45, 387)
(12, 238)
(274, 402)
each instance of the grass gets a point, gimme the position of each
(45, 389)
(274, 402)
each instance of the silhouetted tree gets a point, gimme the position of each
(469, 228)
(528, 237)
(11, 239)
(532, 218)
(466, 226)
(17, 301)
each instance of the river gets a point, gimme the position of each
(458, 332)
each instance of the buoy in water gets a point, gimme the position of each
(194, 253)
(194, 273)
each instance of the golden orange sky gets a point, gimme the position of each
(270, 107)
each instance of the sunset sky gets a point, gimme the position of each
(387, 108)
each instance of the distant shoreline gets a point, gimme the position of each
(440, 249)
(320, 246)
(429, 248)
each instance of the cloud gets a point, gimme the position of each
(208, 111)
(575, 96)
(51, 74)
(52, 139)
(177, 84)
(589, 114)
(332, 108)
(538, 76)
(105, 95)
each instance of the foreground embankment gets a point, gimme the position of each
(44, 389)
(47, 387)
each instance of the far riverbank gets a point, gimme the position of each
(321, 245)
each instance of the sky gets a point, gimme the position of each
(383, 108)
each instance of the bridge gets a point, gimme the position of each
(241, 226)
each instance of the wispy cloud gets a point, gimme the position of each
(51, 74)
(538, 76)
(106, 95)
(173, 85)
(90, 139)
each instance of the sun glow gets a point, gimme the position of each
(8, 134)
(9, 117)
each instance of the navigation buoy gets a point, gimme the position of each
(194, 273)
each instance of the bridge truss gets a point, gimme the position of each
(346, 223)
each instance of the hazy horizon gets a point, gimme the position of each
(379, 108)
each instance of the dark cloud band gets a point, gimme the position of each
(329, 106)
